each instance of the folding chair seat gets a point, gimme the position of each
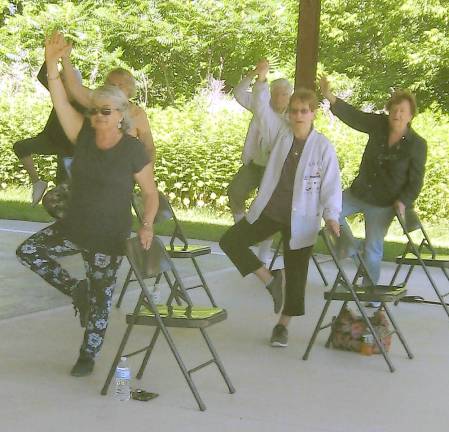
(423, 255)
(174, 249)
(154, 263)
(347, 290)
(317, 263)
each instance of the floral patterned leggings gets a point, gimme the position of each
(39, 251)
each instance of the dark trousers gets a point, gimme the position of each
(42, 144)
(39, 251)
(243, 184)
(235, 244)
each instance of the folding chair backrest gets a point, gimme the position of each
(165, 212)
(345, 246)
(411, 222)
(154, 262)
(148, 263)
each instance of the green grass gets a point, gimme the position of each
(203, 224)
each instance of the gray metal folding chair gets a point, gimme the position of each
(346, 291)
(154, 263)
(423, 255)
(317, 263)
(175, 250)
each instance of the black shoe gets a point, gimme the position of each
(80, 296)
(83, 367)
(275, 289)
(279, 337)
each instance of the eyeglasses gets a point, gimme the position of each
(102, 111)
(301, 111)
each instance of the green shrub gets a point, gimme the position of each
(199, 145)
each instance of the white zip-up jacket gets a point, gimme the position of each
(317, 188)
(257, 148)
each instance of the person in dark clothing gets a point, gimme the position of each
(107, 161)
(51, 141)
(391, 171)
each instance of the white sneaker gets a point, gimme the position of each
(39, 189)
(265, 253)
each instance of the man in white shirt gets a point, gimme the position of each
(257, 148)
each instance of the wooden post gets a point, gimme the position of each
(307, 43)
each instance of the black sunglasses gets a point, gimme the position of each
(102, 111)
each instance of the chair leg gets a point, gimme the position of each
(435, 287)
(398, 332)
(373, 332)
(183, 368)
(217, 361)
(125, 287)
(317, 329)
(331, 334)
(148, 353)
(174, 292)
(320, 271)
(203, 282)
(275, 255)
(116, 361)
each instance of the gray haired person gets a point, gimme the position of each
(257, 148)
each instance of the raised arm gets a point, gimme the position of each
(241, 91)
(150, 198)
(70, 119)
(359, 120)
(269, 122)
(75, 88)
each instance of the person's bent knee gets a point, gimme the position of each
(224, 242)
(20, 149)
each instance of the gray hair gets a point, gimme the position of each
(281, 82)
(118, 98)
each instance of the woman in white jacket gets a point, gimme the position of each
(301, 185)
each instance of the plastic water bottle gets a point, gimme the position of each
(122, 381)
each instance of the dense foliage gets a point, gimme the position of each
(175, 46)
(199, 146)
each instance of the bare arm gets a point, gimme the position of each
(75, 89)
(150, 199)
(70, 119)
(144, 134)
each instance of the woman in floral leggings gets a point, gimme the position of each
(39, 252)
(107, 161)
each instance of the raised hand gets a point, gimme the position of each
(262, 66)
(55, 47)
(326, 89)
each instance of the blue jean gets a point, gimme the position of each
(377, 222)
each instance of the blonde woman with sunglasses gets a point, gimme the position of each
(107, 161)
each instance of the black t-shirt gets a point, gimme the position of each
(99, 212)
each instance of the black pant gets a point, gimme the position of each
(43, 144)
(235, 244)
